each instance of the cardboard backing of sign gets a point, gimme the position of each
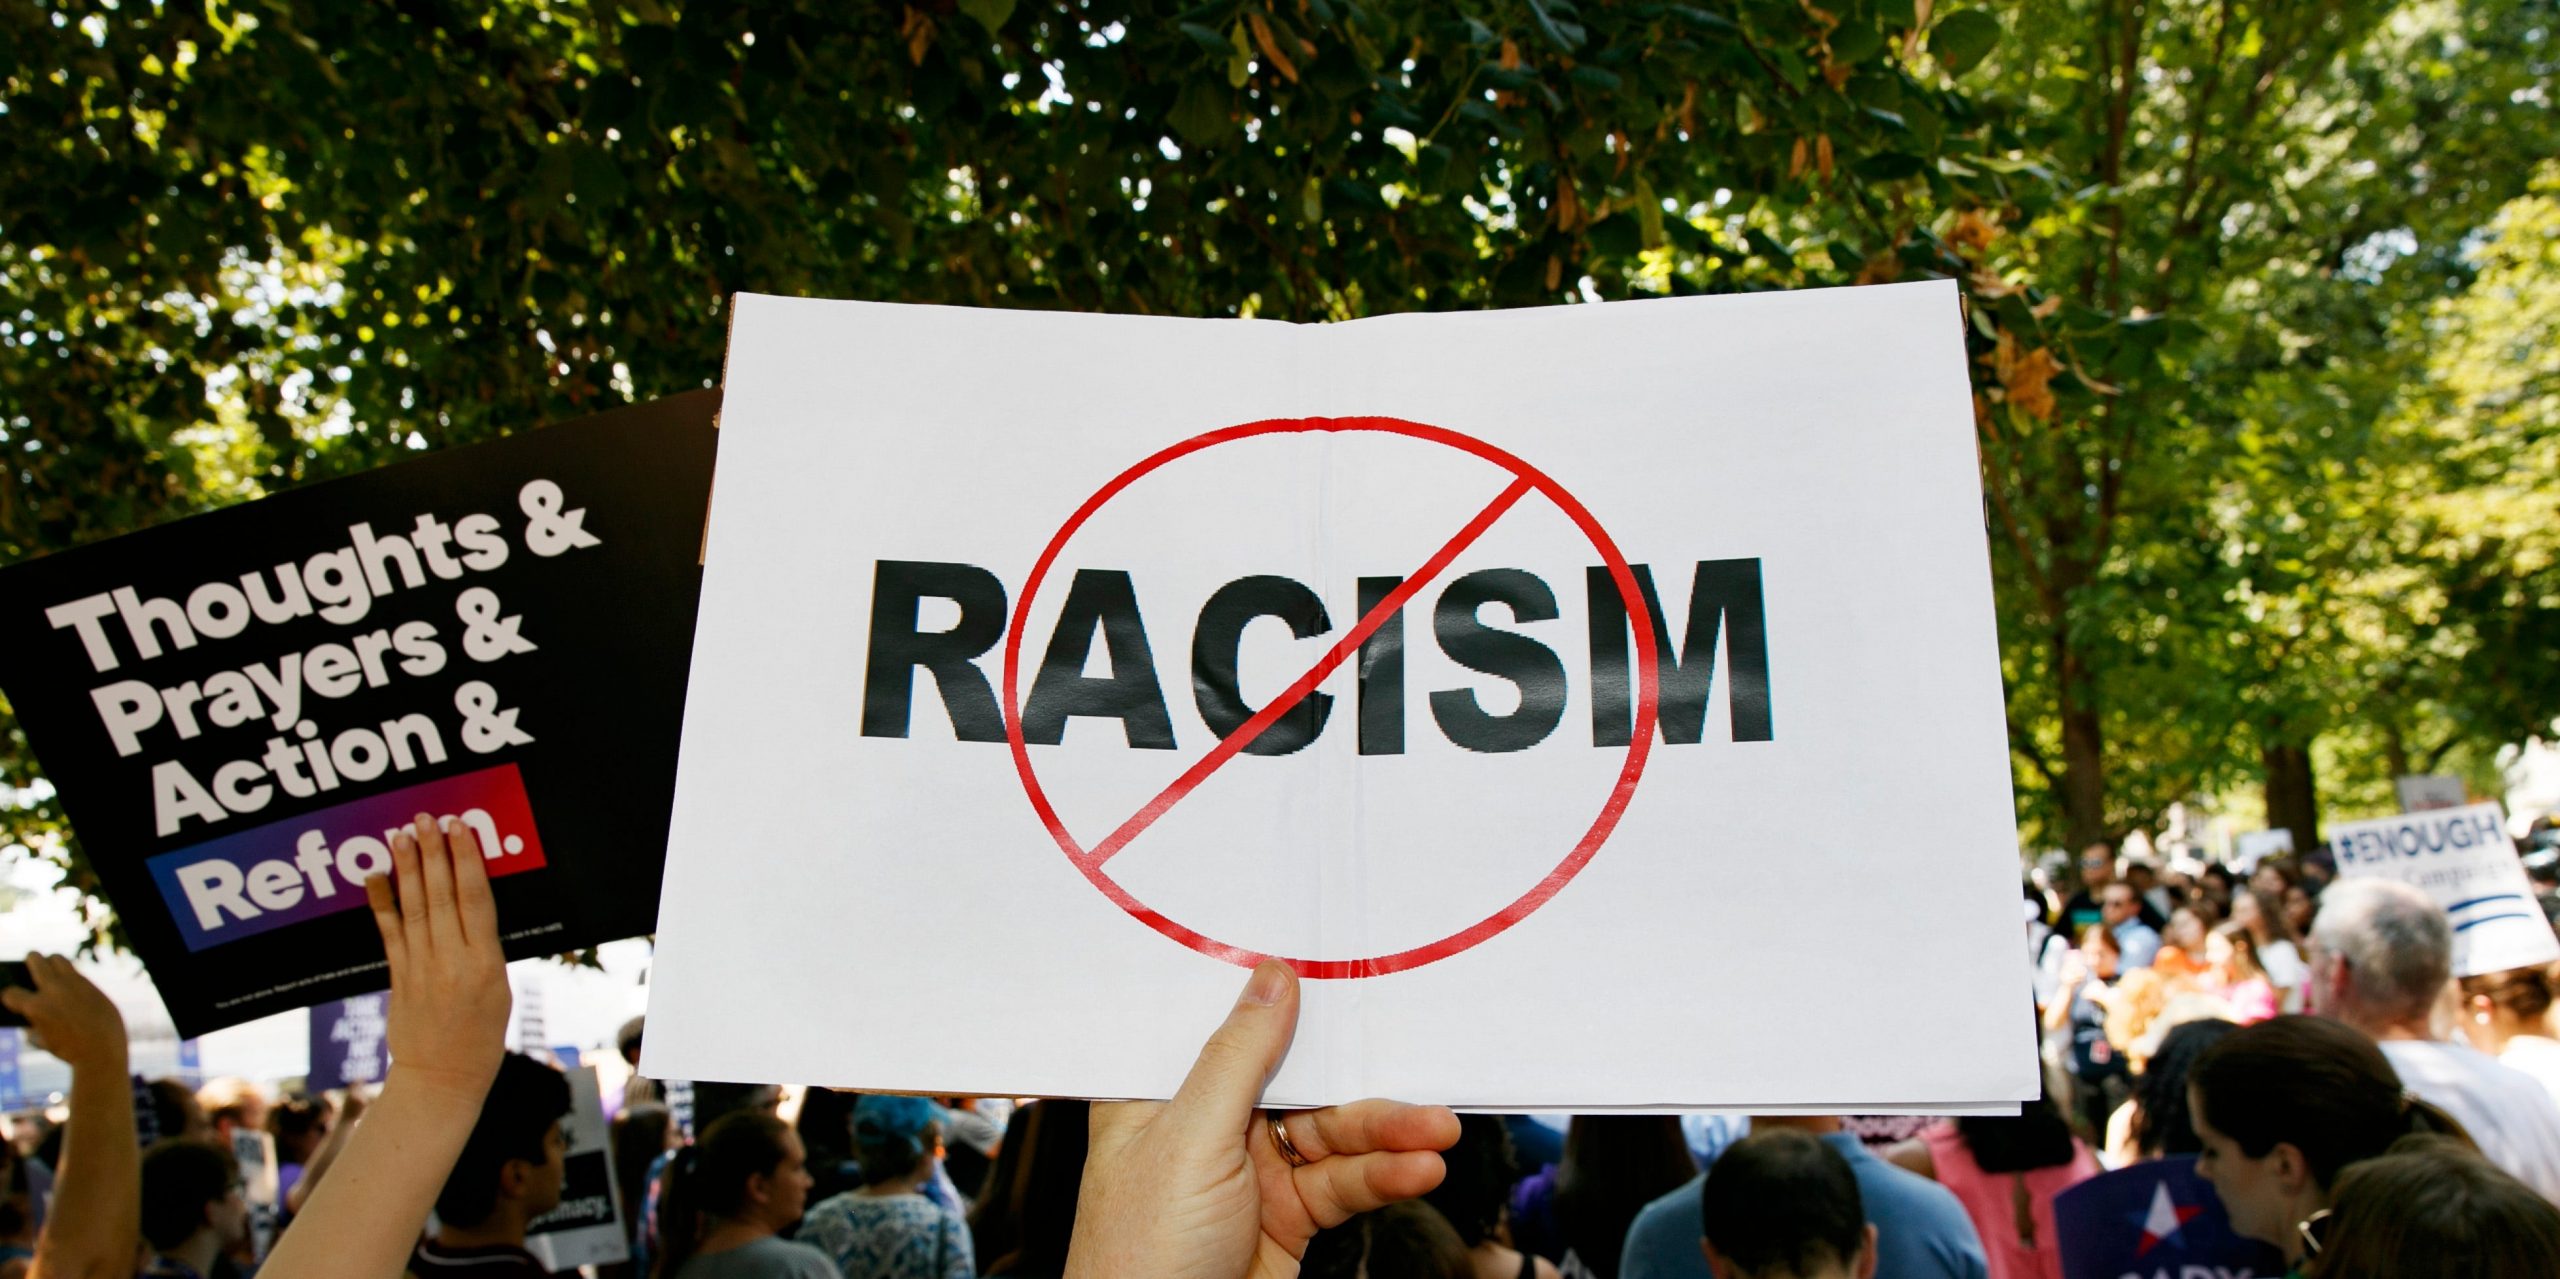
(238, 707)
(1054, 668)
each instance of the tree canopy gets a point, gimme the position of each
(2261, 292)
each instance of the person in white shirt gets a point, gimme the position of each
(2511, 1016)
(2381, 956)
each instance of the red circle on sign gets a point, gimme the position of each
(1639, 746)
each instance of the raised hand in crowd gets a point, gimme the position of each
(95, 1228)
(447, 1030)
(1207, 1187)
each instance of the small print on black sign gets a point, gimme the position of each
(239, 709)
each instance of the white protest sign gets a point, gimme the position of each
(2255, 846)
(1152, 647)
(2463, 858)
(586, 1229)
(2421, 792)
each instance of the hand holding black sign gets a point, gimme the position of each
(241, 710)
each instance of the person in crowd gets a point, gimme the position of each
(2381, 957)
(639, 1089)
(1576, 1213)
(1406, 1240)
(825, 1124)
(2143, 876)
(175, 1112)
(1783, 1205)
(309, 1137)
(2263, 915)
(1922, 1231)
(1041, 1167)
(2182, 945)
(2216, 886)
(2097, 874)
(2101, 1077)
(889, 1229)
(2158, 1124)
(94, 1230)
(2282, 1107)
(2123, 911)
(2231, 957)
(193, 1213)
(2005, 1171)
(995, 1219)
(2271, 878)
(734, 1192)
(233, 1105)
(17, 1213)
(969, 1143)
(2301, 907)
(2432, 1209)
(2511, 1017)
(509, 1172)
(1475, 1196)
(639, 1135)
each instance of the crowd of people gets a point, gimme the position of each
(2305, 1042)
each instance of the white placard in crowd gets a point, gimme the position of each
(2461, 856)
(2255, 846)
(1051, 667)
(586, 1229)
(2424, 791)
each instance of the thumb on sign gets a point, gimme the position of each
(1205, 1186)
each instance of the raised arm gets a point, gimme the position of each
(447, 1031)
(95, 1228)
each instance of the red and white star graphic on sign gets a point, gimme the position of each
(2166, 1218)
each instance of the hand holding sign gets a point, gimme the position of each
(1199, 1186)
(448, 1025)
(449, 997)
(68, 1017)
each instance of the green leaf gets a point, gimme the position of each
(1962, 40)
(1209, 38)
(990, 14)
(1200, 115)
(1554, 21)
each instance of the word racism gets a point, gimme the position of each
(1724, 601)
(340, 586)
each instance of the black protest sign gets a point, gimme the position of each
(238, 709)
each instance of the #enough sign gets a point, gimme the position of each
(1603, 677)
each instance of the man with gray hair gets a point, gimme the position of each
(2381, 958)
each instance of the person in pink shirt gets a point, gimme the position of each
(2231, 954)
(2006, 1173)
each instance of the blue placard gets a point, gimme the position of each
(2155, 1220)
(347, 1045)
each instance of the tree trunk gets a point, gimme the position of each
(2395, 750)
(2293, 800)
(2084, 759)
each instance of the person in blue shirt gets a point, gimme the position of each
(1921, 1230)
(2122, 910)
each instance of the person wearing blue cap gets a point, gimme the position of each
(888, 1228)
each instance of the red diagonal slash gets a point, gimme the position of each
(1289, 697)
(1613, 806)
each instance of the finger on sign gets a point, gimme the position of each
(1336, 1190)
(409, 882)
(1225, 1084)
(1361, 1127)
(479, 913)
(386, 917)
(435, 861)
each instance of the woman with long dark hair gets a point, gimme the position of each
(2006, 1171)
(2283, 1107)
(1577, 1213)
(2161, 1124)
(728, 1198)
(1042, 1163)
(1474, 1196)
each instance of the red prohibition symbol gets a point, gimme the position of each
(1526, 479)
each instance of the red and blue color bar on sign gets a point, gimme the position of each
(316, 864)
